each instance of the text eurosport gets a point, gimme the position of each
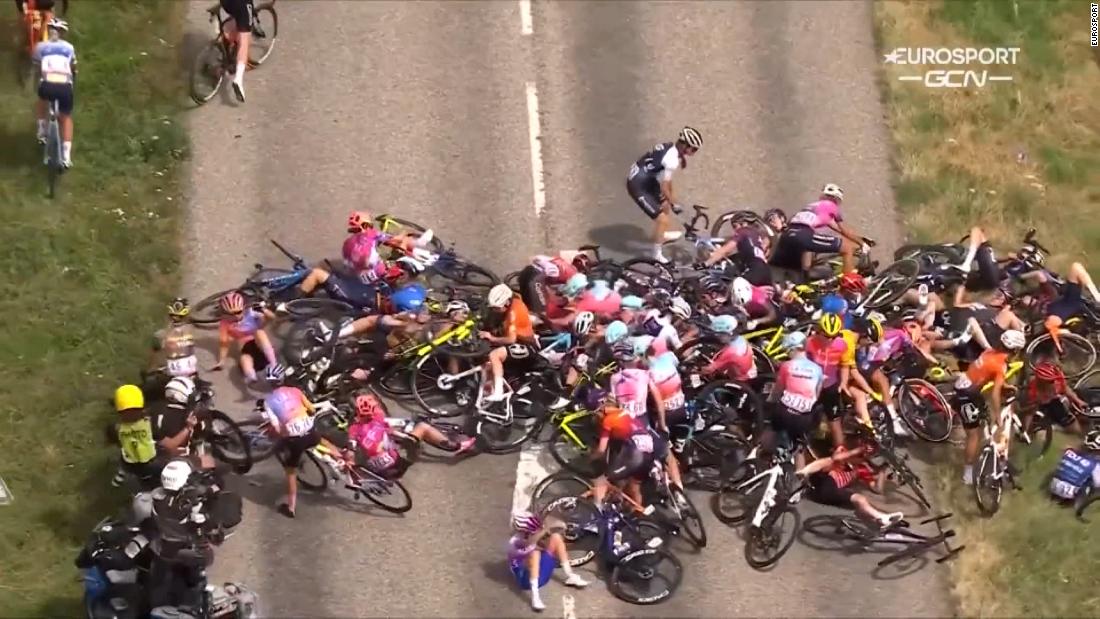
(953, 55)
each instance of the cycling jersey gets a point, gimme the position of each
(243, 328)
(817, 215)
(760, 305)
(55, 60)
(560, 268)
(832, 353)
(665, 373)
(802, 380)
(178, 344)
(667, 339)
(1075, 472)
(735, 359)
(373, 439)
(631, 388)
(619, 425)
(893, 341)
(658, 163)
(1042, 392)
(286, 407)
(518, 320)
(601, 301)
(986, 368)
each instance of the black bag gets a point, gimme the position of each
(225, 509)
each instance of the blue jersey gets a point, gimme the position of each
(1075, 472)
(55, 60)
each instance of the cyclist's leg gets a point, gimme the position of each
(863, 506)
(977, 238)
(264, 343)
(240, 11)
(317, 277)
(970, 406)
(246, 362)
(1078, 275)
(496, 367)
(65, 119)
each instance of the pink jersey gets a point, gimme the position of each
(801, 379)
(736, 360)
(373, 439)
(666, 375)
(243, 329)
(760, 303)
(601, 301)
(892, 342)
(820, 214)
(286, 407)
(631, 388)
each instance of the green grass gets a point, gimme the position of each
(1006, 157)
(83, 283)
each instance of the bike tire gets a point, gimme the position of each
(525, 418)
(1088, 388)
(924, 410)
(423, 382)
(918, 252)
(394, 382)
(732, 506)
(307, 308)
(265, 22)
(1042, 349)
(389, 488)
(571, 456)
(641, 281)
(638, 563)
(756, 537)
(906, 272)
(207, 72)
(582, 540)
(696, 532)
(984, 479)
(261, 445)
(466, 274)
(310, 466)
(231, 438)
(556, 486)
(831, 529)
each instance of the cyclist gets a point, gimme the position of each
(879, 345)
(735, 360)
(544, 272)
(800, 241)
(755, 301)
(751, 248)
(245, 326)
(1048, 392)
(599, 299)
(134, 432)
(176, 341)
(1069, 303)
(830, 478)
(658, 328)
(1078, 472)
(534, 552)
(56, 60)
(239, 32)
(834, 349)
(290, 414)
(794, 396)
(664, 373)
(649, 184)
(990, 367)
(983, 322)
(517, 336)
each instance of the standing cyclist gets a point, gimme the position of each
(240, 32)
(56, 59)
(650, 183)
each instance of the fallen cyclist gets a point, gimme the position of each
(534, 552)
(1078, 473)
(830, 479)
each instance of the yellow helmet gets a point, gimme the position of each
(830, 324)
(179, 308)
(129, 397)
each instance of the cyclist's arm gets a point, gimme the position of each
(860, 381)
(727, 249)
(780, 385)
(601, 447)
(667, 195)
(995, 395)
(1073, 397)
(846, 232)
(310, 408)
(816, 466)
(845, 374)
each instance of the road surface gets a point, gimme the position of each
(426, 110)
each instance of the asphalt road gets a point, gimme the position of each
(421, 109)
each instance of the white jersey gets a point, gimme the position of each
(55, 60)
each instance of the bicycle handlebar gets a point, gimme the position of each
(289, 254)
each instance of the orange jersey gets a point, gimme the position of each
(991, 365)
(618, 424)
(518, 321)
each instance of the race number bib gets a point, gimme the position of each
(634, 409)
(796, 402)
(644, 442)
(382, 461)
(675, 402)
(1063, 489)
(695, 380)
(185, 366)
(300, 426)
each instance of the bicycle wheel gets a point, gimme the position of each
(988, 486)
(572, 448)
(265, 29)
(261, 444)
(930, 254)
(208, 72)
(1088, 389)
(691, 523)
(228, 442)
(767, 544)
(556, 486)
(312, 473)
(307, 308)
(503, 438)
(646, 576)
(438, 395)
(642, 275)
(395, 380)
(924, 410)
(732, 505)
(892, 282)
(829, 532)
(465, 273)
(1077, 357)
(582, 531)
(389, 494)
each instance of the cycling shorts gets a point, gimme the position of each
(291, 448)
(62, 93)
(988, 276)
(646, 193)
(797, 426)
(757, 272)
(1056, 411)
(241, 13)
(626, 460)
(252, 349)
(823, 489)
(1069, 304)
(798, 239)
(352, 290)
(971, 407)
(829, 402)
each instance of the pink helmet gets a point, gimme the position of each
(358, 250)
(232, 302)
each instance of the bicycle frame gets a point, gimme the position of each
(348, 474)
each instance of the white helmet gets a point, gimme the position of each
(179, 390)
(582, 322)
(1092, 440)
(412, 265)
(58, 24)
(691, 137)
(833, 191)
(458, 306)
(680, 308)
(741, 290)
(174, 475)
(499, 295)
(1013, 339)
(877, 317)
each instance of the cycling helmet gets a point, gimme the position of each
(546, 266)
(724, 323)
(359, 250)
(1092, 440)
(129, 397)
(641, 344)
(691, 137)
(174, 475)
(58, 24)
(275, 374)
(853, 282)
(623, 352)
(408, 264)
(680, 308)
(775, 213)
(499, 296)
(615, 332)
(179, 309)
(574, 285)
(1013, 339)
(582, 262)
(833, 304)
(367, 405)
(834, 191)
(411, 298)
(526, 522)
(179, 390)
(877, 316)
(794, 339)
(632, 302)
(830, 324)
(652, 324)
(1049, 372)
(582, 322)
(457, 306)
(359, 221)
(872, 329)
(713, 284)
(741, 291)
(232, 302)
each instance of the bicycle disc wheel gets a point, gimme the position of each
(767, 544)
(390, 495)
(1077, 357)
(265, 28)
(646, 576)
(924, 410)
(312, 474)
(987, 486)
(261, 445)
(207, 72)
(307, 308)
(228, 442)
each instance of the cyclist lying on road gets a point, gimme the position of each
(1079, 470)
(534, 551)
(830, 478)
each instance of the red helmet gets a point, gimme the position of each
(358, 250)
(1049, 372)
(359, 221)
(232, 302)
(367, 405)
(582, 262)
(853, 282)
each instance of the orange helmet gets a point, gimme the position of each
(853, 282)
(359, 221)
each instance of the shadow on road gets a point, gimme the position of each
(621, 238)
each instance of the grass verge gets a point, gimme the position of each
(1007, 156)
(84, 283)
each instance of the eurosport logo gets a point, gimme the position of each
(957, 56)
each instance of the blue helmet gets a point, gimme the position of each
(632, 302)
(723, 324)
(574, 285)
(833, 304)
(409, 298)
(615, 332)
(794, 339)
